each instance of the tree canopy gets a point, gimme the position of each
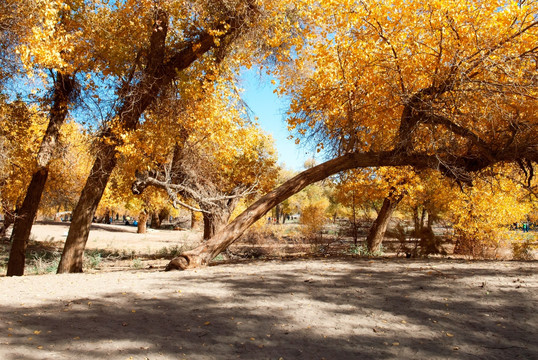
(401, 87)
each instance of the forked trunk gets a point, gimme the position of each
(161, 69)
(23, 223)
(73, 253)
(379, 227)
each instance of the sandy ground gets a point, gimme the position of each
(311, 309)
(118, 237)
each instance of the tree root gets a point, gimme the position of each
(184, 262)
(177, 263)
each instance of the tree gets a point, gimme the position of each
(445, 85)
(482, 214)
(56, 20)
(68, 170)
(208, 166)
(171, 37)
(21, 127)
(387, 186)
(64, 86)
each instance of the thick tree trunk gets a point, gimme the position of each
(379, 227)
(72, 255)
(64, 86)
(214, 222)
(142, 220)
(23, 223)
(201, 255)
(155, 220)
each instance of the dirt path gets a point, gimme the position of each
(315, 309)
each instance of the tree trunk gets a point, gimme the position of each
(164, 214)
(64, 86)
(106, 220)
(214, 222)
(193, 220)
(204, 253)
(23, 223)
(142, 220)
(277, 213)
(422, 217)
(9, 219)
(379, 227)
(354, 219)
(72, 255)
(155, 220)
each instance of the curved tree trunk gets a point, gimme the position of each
(64, 86)
(72, 255)
(379, 227)
(204, 253)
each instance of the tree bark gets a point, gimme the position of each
(214, 222)
(64, 86)
(155, 220)
(142, 220)
(354, 219)
(72, 255)
(23, 224)
(277, 213)
(9, 219)
(106, 219)
(193, 219)
(379, 227)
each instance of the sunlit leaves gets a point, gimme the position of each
(361, 62)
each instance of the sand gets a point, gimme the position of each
(300, 309)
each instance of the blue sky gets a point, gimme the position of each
(271, 113)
